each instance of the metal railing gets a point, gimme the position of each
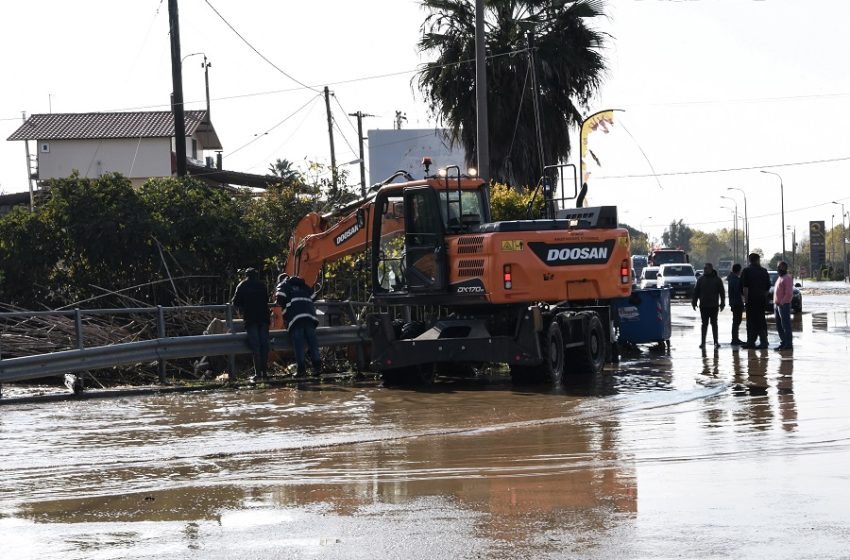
(160, 349)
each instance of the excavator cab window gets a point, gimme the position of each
(460, 210)
(424, 248)
(390, 260)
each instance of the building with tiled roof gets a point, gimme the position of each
(139, 145)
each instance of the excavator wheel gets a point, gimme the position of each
(590, 357)
(555, 359)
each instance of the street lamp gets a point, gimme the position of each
(843, 241)
(782, 201)
(746, 221)
(206, 66)
(734, 227)
(735, 230)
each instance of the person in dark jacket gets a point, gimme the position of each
(711, 295)
(755, 284)
(252, 299)
(736, 302)
(299, 313)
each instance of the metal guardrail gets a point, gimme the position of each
(160, 349)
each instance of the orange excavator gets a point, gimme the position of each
(536, 294)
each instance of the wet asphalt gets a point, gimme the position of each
(673, 453)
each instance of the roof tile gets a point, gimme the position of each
(85, 126)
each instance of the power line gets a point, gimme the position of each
(288, 138)
(261, 55)
(722, 170)
(344, 112)
(245, 145)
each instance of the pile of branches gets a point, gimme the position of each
(41, 334)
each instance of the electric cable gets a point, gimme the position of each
(722, 170)
(257, 137)
(261, 55)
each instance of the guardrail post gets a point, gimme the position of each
(231, 358)
(78, 328)
(160, 332)
(76, 383)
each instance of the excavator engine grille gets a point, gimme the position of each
(467, 245)
(470, 268)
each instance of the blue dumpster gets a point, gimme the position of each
(644, 316)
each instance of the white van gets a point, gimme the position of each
(679, 277)
(648, 277)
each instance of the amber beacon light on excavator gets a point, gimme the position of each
(455, 288)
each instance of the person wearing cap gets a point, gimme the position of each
(252, 300)
(296, 298)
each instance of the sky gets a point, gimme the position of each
(711, 92)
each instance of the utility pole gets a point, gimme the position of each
(360, 115)
(535, 100)
(482, 139)
(177, 87)
(331, 136)
(29, 167)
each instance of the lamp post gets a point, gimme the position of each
(735, 230)
(734, 227)
(832, 244)
(746, 221)
(782, 202)
(794, 251)
(843, 241)
(206, 66)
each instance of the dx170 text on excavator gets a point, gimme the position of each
(535, 294)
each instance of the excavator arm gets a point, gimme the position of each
(314, 242)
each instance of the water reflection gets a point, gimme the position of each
(785, 394)
(710, 365)
(506, 455)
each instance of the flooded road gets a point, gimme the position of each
(728, 453)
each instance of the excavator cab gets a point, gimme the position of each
(410, 260)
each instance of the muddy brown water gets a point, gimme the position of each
(727, 453)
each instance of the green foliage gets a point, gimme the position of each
(199, 227)
(97, 236)
(568, 65)
(289, 177)
(677, 236)
(105, 231)
(706, 247)
(29, 250)
(507, 203)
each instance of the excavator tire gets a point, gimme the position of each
(554, 362)
(590, 357)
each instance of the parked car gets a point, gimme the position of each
(796, 295)
(649, 277)
(678, 277)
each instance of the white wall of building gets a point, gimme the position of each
(392, 150)
(133, 158)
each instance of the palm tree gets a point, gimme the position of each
(568, 65)
(289, 176)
